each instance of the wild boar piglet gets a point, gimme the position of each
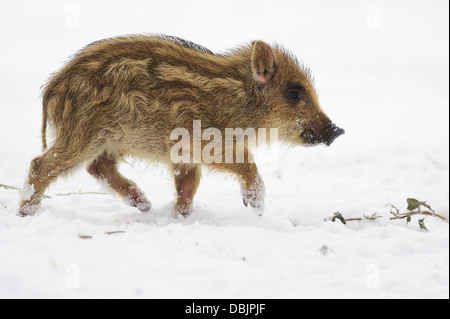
(126, 96)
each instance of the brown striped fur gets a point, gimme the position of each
(124, 96)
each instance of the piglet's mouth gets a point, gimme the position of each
(309, 137)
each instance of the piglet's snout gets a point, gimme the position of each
(331, 133)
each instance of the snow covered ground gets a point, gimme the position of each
(382, 72)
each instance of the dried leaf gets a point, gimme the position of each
(412, 204)
(415, 204)
(324, 250)
(85, 236)
(422, 224)
(338, 216)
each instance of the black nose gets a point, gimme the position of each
(331, 133)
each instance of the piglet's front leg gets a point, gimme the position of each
(187, 178)
(253, 192)
(252, 185)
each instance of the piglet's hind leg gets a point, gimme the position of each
(104, 168)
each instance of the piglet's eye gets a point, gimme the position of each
(294, 94)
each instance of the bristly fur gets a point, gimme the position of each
(295, 60)
(185, 43)
(125, 95)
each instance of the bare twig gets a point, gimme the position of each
(352, 219)
(9, 187)
(82, 236)
(80, 193)
(406, 215)
(396, 214)
(17, 189)
(343, 220)
(373, 216)
(114, 232)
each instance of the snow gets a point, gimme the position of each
(381, 70)
(27, 191)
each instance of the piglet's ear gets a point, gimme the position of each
(263, 62)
